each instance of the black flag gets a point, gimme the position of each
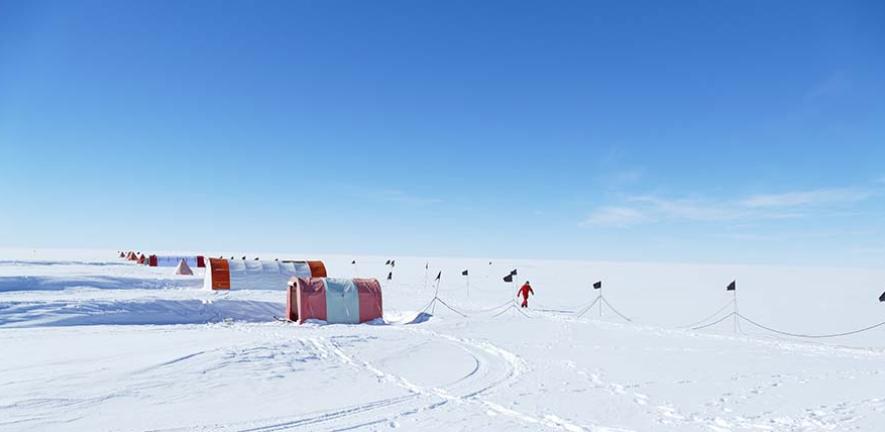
(464, 273)
(490, 263)
(426, 266)
(393, 263)
(597, 285)
(438, 275)
(353, 262)
(387, 263)
(731, 286)
(882, 297)
(390, 276)
(509, 277)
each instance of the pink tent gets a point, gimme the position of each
(336, 301)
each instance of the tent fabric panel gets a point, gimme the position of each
(183, 269)
(217, 275)
(302, 269)
(292, 300)
(201, 261)
(317, 269)
(369, 291)
(342, 302)
(311, 299)
(152, 260)
(260, 275)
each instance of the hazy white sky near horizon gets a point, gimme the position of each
(730, 132)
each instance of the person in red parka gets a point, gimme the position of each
(524, 292)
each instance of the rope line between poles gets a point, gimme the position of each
(614, 310)
(708, 318)
(590, 306)
(848, 333)
(715, 322)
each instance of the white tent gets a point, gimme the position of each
(183, 269)
(242, 274)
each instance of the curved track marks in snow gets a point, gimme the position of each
(491, 368)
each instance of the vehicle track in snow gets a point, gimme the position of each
(493, 367)
(490, 370)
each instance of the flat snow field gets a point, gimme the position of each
(89, 342)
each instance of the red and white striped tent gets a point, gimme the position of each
(336, 301)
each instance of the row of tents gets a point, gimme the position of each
(311, 294)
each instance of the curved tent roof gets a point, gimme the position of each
(224, 274)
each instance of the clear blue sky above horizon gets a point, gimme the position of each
(715, 131)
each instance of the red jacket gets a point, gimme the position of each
(525, 291)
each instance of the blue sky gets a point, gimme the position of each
(714, 131)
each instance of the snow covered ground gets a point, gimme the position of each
(90, 342)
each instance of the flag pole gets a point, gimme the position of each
(436, 293)
(426, 265)
(735, 312)
(600, 303)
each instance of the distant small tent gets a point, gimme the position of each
(122, 255)
(141, 259)
(131, 256)
(336, 301)
(183, 269)
(172, 261)
(222, 274)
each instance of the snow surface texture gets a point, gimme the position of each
(90, 342)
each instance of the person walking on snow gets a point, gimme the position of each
(524, 292)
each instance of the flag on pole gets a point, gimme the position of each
(426, 266)
(438, 275)
(597, 285)
(387, 262)
(882, 297)
(353, 262)
(731, 286)
(390, 276)
(464, 273)
(509, 277)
